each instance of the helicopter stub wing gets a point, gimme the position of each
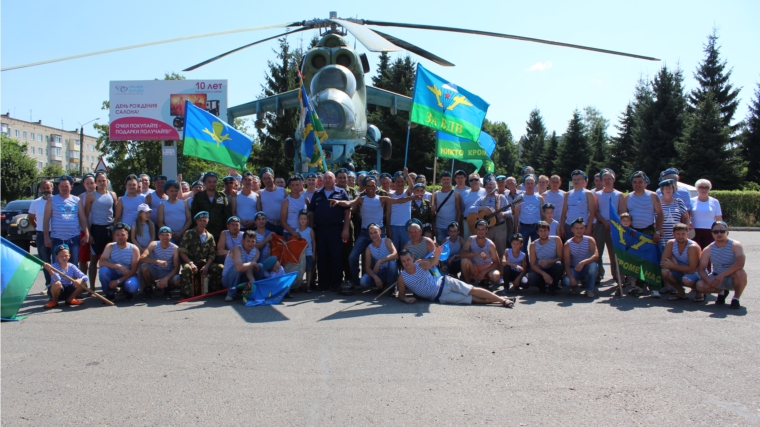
(385, 98)
(273, 103)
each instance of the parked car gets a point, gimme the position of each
(15, 224)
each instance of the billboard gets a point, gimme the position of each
(154, 110)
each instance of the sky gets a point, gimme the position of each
(513, 76)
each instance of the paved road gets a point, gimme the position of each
(322, 359)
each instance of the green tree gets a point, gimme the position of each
(596, 135)
(713, 76)
(52, 169)
(532, 144)
(750, 141)
(622, 146)
(573, 152)
(504, 156)
(660, 116)
(597, 139)
(398, 76)
(19, 171)
(705, 149)
(281, 77)
(549, 156)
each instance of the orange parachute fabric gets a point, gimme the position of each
(287, 252)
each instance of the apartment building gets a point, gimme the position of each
(47, 144)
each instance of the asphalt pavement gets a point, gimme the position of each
(324, 359)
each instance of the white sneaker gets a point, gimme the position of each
(655, 294)
(228, 298)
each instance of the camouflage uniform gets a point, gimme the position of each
(199, 253)
(219, 211)
(424, 214)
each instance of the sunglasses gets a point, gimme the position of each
(719, 231)
(474, 179)
(701, 187)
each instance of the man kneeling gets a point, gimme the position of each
(60, 287)
(727, 258)
(160, 264)
(240, 264)
(447, 290)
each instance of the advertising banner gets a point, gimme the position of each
(154, 110)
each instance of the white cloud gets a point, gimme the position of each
(540, 66)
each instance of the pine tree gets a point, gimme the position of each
(597, 139)
(573, 152)
(622, 146)
(705, 149)
(596, 135)
(750, 141)
(533, 142)
(660, 115)
(712, 76)
(398, 76)
(549, 156)
(281, 77)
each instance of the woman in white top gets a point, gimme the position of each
(704, 210)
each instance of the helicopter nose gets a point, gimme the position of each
(332, 91)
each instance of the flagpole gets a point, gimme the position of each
(435, 165)
(408, 131)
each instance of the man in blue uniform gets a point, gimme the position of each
(330, 224)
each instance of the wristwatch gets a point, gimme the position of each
(657, 233)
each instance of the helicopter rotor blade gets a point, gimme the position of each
(504, 36)
(415, 49)
(241, 48)
(367, 37)
(135, 46)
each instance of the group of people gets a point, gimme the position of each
(459, 244)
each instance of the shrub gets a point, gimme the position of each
(740, 208)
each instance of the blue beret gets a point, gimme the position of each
(269, 263)
(201, 214)
(164, 229)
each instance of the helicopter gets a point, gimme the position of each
(333, 74)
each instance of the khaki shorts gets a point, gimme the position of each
(727, 283)
(455, 291)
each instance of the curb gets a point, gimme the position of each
(743, 228)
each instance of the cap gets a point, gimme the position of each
(269, 263)
(122, 226)
(208, 175)
(142, 207)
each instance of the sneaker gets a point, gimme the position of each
(74, 301)
(228, 298)
(735, 303)
(129, 296)
(655, 294)
(575, 290)
(148, 293)
(110, 297)
(51, 304)
(590, 294)
(167, 292)
(347, 288)
(721, 298)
